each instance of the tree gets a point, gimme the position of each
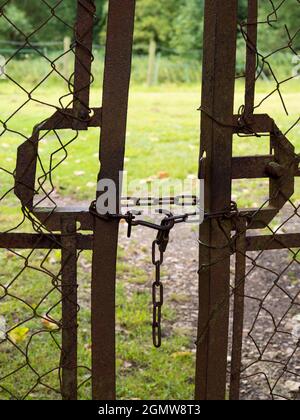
(188, 34)
(14, 24)
(156, 21)
(283, 25)
(43, 21)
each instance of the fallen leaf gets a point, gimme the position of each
(163, 175)
(47, 323)
(79, 173)
(17, 335)
(127, 365)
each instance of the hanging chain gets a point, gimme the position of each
(160, 244)
(159, 247)
(157, 295)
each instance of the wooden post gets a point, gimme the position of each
(151, 63)
(66, 60)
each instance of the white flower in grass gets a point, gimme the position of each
(79, 173)
(91, 185)
(2, 328)
(296, 327)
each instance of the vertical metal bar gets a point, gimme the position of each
(69, 309)
(251, 56)
(219, 59)
(112, 147)
(83, 59)
(238, 312)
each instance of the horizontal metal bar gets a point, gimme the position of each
(258, 123)
(248, 167)
(51, 217)
(273, 242)
(245, 167)
(41, 241)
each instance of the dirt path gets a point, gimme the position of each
(270, 353)
(179, 271)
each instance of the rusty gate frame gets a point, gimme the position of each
(218, 168)
(112, 118)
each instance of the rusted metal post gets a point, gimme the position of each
(112, 146)
(220, 31)
(238, 312)
(69, 308)
(83, 60)
(251, 56)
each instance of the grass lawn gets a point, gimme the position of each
(163, 136)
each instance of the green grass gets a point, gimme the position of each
(140, 367)
(162, 136)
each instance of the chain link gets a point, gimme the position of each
(157, 293)
(159, 245)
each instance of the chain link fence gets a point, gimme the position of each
(257, 247)
(251, 252)
(38, 280)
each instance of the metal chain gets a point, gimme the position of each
(159, 247)
(157, 294)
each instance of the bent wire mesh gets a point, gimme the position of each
(40, 239)
(250, 254)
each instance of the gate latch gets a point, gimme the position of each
(159, 247)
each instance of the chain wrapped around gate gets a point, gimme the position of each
(159, 247)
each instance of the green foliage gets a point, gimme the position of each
(283, 25)
(156, 20)
(163, 134)
(142, 371)
(176, 25)
(49, 21)
(189, 28)
(21, 24)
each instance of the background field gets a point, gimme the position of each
(163, 136)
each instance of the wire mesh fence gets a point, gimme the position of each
(170, 66)
(39, 277)
(263, 295)
(39, 293)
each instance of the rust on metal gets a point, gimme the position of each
(41, 241)
(280, 167)
(27, 154)
(69, 309)
(83, 61)
(238, 310)
(78, 117)
(273, 242)
(51, 217)
(216, 142)
(251, 63)
(112, 147)
(223, 233)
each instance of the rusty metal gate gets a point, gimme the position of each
(248, 337)
(62, 227)
(229, 231)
